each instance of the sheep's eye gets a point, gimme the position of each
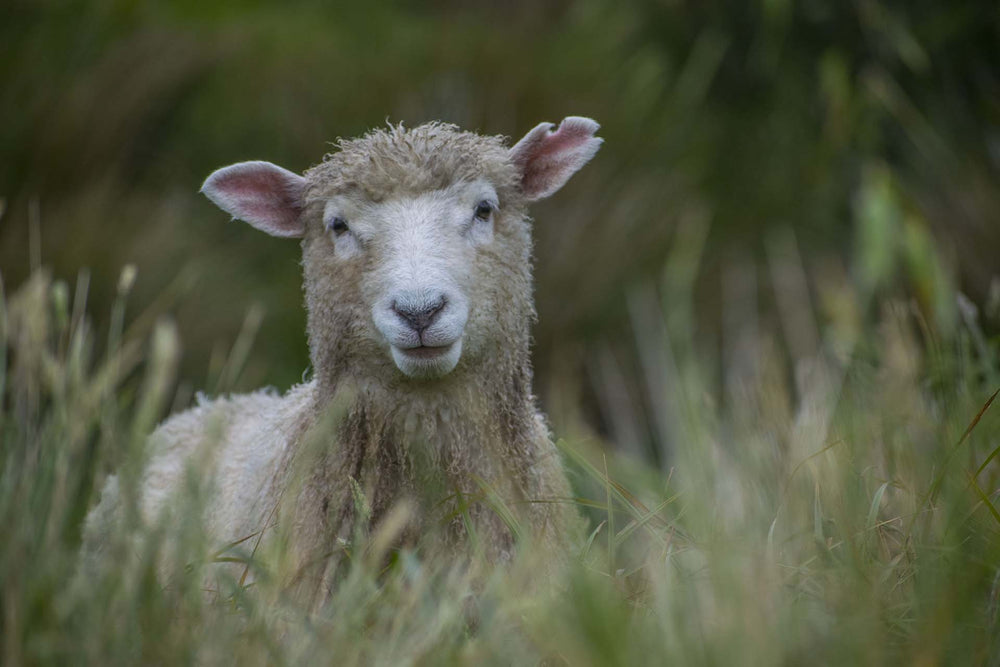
(483, 210)
(338, 226)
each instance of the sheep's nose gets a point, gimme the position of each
(419, 313)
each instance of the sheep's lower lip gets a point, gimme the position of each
(426, 362)
(426, 351)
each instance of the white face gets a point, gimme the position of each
(419, 261)
(413, 286)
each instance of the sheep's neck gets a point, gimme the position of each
(438, 449)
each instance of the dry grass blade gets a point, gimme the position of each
(628, 500)
(984, 497)
(497, 504)
(939, 479)
(982, 466)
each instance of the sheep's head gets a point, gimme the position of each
(416, 243)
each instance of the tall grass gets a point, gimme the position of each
(808, 466)
(841, 510)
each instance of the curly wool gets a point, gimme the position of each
(396, 160)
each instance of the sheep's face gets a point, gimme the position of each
(425, 267)
(416, 243)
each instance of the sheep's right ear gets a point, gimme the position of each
(265, 195)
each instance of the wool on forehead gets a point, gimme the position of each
(397, 160)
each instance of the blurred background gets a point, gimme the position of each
(762, 160)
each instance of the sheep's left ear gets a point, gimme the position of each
(547, 156)
(265, 195)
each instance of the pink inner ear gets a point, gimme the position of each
(548, 158)
(263, 194)
(569, 137)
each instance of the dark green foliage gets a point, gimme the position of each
(745, 118)
(773, 293)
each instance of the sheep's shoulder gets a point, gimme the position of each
(233, 444)
(227, 447)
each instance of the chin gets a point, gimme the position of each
(427, 363)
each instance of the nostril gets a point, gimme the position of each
(419, 314)
(436, 307)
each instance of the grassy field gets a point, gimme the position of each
(838, 509)
(767, 336)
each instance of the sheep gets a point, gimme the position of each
(416, 254)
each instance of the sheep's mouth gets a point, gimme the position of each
(427, 361)
(427, 351)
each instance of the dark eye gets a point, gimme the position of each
(483, 210)
(338, 226)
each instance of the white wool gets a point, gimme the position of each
(240, 440)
